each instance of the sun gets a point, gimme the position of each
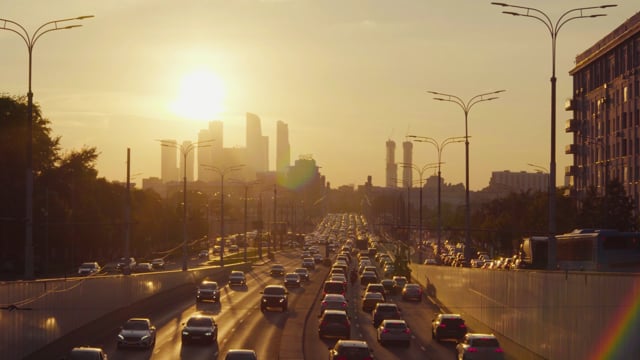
(200, 96)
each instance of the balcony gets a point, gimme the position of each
(570, 170)
(571, 149)
(570, 104)
(572, 125)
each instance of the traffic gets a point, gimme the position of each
(345, 306)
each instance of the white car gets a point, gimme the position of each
(89, 268)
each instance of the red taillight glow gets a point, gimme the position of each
(462, 326)
(442, 325)
(385, 330)
(499, 350)
(344, 304)
(472, 349)
(324, 303)
(407, 331)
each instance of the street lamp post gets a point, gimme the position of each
(554, 28)
(222, 172)
(246, 190)
(439, 148)
(466, 107)
(30, 41)
(420, 171)
(185, 149)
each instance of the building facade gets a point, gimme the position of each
(283, 148)
(605, 107)
(407, 164)
(169, 160)
(391, 166)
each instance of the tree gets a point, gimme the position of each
(613, 210)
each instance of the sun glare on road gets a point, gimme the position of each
(200, 96)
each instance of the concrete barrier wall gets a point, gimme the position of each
(557, 315)
(38, 312)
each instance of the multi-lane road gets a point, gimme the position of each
(275, 335)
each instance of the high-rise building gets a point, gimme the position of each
(392, 167)
(257, 146)
(205, 155)
(169, 160)
(606, 114)
(407, 164)
(283, 148)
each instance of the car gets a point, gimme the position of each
(338, 277)
(479, 346)
(277, 270)
(86, 353)
(137, 332)
(333, 301)
(241, 354)
(308, 263)
(384, 311)
(234, 248)
(389, 270)
(317, 258)
(208, 290)
(368, 277)
(199, 328)
(157, 263)
(370, 300)
(334, 323)
(350, 350)
(89, 268)
(143, 267)
(375, 287)
(274, 296)
(291, 280)
(126, 264)
(237, 277)
(303, 273)
(448, 326)
(394, 331)
(334, 287)
(203, 254)
(430, 261)
(388, 285)
(412, 292)
(400, 282)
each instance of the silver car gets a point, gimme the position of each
(394, 331)
(479, 347)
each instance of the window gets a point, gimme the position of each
(625, 94)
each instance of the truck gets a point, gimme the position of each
(534, 252)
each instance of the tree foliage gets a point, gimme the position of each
(613, 210)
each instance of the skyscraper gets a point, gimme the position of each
(205, 155)
(407, 160)
(169, 160)
(283, 148)
(257, 146)
(392, 167)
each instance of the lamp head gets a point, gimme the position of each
(84, 17)
(608, 6)
(499, 4)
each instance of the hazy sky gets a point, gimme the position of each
(346, 75)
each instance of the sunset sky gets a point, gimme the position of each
(346, 75)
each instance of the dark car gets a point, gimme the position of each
(137, 332)
(274, 296)
(412, 292)
(303, 272)
(400, 281)
(334, 287)
(368, 277)
(384, 311)
(334, 323)
(375, 287)
(208, 290)
(277, 270)
(199, 328)
(86, 353)
(238, 278)
(350, 350)
(480, 347)
(291, 280)
(241, 354)
(370, 300)
(448, 326)
(158, 263)
(389, 286)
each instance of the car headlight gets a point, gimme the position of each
(145, 337)
(208, 333)
(281, 300)
(264, 300)
(120, 337)
(185, 333)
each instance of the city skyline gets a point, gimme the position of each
(344, 81)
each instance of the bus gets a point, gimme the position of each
(598, 250)
(534, 252)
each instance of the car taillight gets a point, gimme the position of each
(442, 325)
(385, 330)
(323, 323)
(463, 326)
(472, 349)
(346, 323)
(407, 331)
(341, 357)
(499, 350)
(324, 303)
(344, 304)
